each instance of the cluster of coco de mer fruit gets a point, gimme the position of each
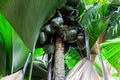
(64, 25)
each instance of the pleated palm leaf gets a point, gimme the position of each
(83, 70)
(111, 52)
(94, 24)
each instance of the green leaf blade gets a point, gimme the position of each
(28, 16)
(111, 52)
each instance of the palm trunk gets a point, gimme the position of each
(59, 72)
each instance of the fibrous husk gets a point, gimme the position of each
(16, 76)
(83, 70)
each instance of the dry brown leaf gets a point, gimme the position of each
(83, 70)
(16, 76)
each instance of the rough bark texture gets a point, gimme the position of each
(59, 72)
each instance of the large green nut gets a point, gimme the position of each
(68, 9)
(42, 38)
(70, 36)
(49, 30)
(73, 3)
(49, 48)
(56, 22)
(81, 42)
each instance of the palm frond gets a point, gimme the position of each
(94, 21)
(16, 76)
(111, 52)
(111, 72)
(89, 2)
(98, 66)
(83, 70)
(71, 58)
(115, 2)
(114, 24)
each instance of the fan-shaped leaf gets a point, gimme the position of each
(111, 52)
(83, 70)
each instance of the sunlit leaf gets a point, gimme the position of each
(5, 30)
(98, 66)
(71, 58)
(16, 50)
(116, 75)
(2, 56)
(38, 52)
(90, 2)
(111, 52)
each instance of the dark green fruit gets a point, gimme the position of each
(73, 3)
(49, 30)
(42, 38)
(49, 48)
(70, 36)
(81, 42)
(56, 22)
(68, 9)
